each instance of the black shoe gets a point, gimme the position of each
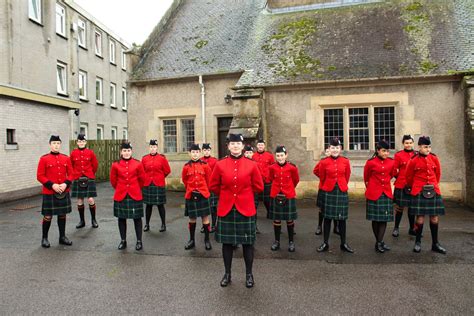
(81, 224)
(202, 230)
(396, 232)
(45, 243)
(257, 231)
(226, 280)
(249, 282)
(189, 245)
(411, 232)
(379, 247)
(94, 224)
(146, 228)
(139, 245)
(207, 244)
(318, 231)
(417, 247)
(65, 241)
(385, 246)
(163, 228)
(438, 248)
(275, 245)
(122, 245)
(291, 246)
(324, 247)
(346, 248)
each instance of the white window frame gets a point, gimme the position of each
(35, 15)
(113, 95)
(112, 51)
(179, 133)
(82, 84)
(113, 132)
(60, 19)
(84, 126)
(125, 133)
(124, 99)
(99, 100)
(82, 32)
(101, 129)
(98, 46)
(124, 59)
(61, 76)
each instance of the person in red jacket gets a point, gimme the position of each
(128, 177)
(264, 160)
(248, 153)
(236, 179)
(423, 175)
(211, 161)
(334, 173)
(285, 178)
(55, 174)
(195, 175)
(84, 164)
(157, 169)
(401, 196)
(378, 171)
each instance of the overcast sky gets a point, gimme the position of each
(133, 20)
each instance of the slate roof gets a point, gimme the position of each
(387, 39)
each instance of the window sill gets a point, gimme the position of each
(113, 106)
(99, 56)
(124, 109)
(177, 156)
(84, 99)
(11, 146)
(36, 22)
(83, 47)
(113, 63)
(99, 103)
(63, 94)
(124, 69)
(62, 36)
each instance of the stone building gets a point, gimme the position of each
(61, 72)
(300, 72)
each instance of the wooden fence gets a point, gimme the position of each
(107, 151)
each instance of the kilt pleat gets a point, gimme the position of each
(265, 195)
(53, 206)
(285, 212)
(320, 199)
(195, 209)
(336, 204)
(235, 228)
(214, 200)
(401, 198)
(80, 192)
(128, 208)
(154, 195)
(380, 210)
(422, 206)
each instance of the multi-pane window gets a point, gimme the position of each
(178, 135)
(112, 51)
(187, 134)
(34, 10)
(170, 136)
(124, 60)
(100, 132)
(82, 84)
(61, 78)
(60, 19)
(113, 95)
(384, 124)
(113, 132)
(99, 90)
(98, 43)
(359, 129)
(124, 99)
(333, 125)
(81, 32)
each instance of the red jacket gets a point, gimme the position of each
(331, 171)
(127, 177)
(84, 162)
(264, 161)
(284, 179)
(401, 160)
(156, 168)
(54, 169)
(236, 180)
(423, 170)
(211, 161)
(377, 176)
(195, 176)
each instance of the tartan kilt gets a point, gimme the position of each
(400, 198)
(128, 208)
(235, 228)
(320, 199)
(265, 195)
(336, 204)
(53, 206)
(422, 206)
(80, 192)
(154, 195)
(285, 212)
(195, 209)
(380, 210)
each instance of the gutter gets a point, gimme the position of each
(203, 108)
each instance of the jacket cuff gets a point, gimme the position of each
(49, 185)
(68, 183)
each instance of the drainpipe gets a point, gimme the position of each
(203, 108)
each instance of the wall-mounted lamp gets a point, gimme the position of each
(76, 112)
(227, 98)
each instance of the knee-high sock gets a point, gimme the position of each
(80, 209)
(411, 219)
(277, 229)
(320, 218)
(248, 258)
(92, 209)
(62, 225)
(138, 228)
(419, 232)
(207, 228)
(192, 230)
(148, 211)
(398, 217)
(434, 232)
(326, 229)
(290, 225)
(162, 211)
(46, 223)
(382, 226)
(227, 253)
(342, 231)
(122, 224)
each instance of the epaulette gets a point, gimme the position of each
(433, 154)
(189, 162)
(136, 159)
(371, 158)
(162, 155)
(145, 155)
(202, 161)
(225, 158)
(389, 158)
(344, 157)
(291, 163)
(45, 155)
(63, 154)
(415, 155)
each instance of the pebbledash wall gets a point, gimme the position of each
(294, 118)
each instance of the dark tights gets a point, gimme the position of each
(327, 229)
(149, 210)
(122, 224)
(379, 230)
(228, 251)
